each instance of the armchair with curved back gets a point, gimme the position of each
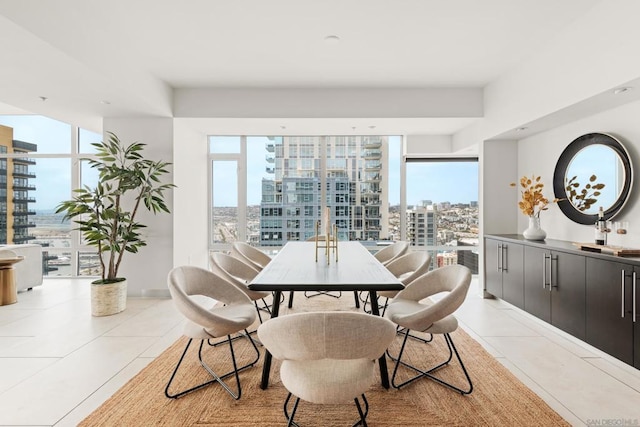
(198, 293)
(391, 252)
(327, 357)
(406, 268)
(412, 309)
(250, 255)
(385, 256)
(240, 274)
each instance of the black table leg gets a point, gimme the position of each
(290, 299)
(266, 367)
(382, 362)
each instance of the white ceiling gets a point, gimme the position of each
(132, 53)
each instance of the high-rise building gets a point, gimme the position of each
(354, 172)
(422, 226)
(15, 188)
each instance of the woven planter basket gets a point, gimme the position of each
(108, 299)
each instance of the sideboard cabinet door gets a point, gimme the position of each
(504, 271)
(568, 299)
(537, 276)
(609, 326)
(513, 275)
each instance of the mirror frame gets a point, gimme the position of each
(561, 170)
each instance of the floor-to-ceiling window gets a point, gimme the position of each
(442, 209)
(42, 164)
(291, 181)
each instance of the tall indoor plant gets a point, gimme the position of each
(106, 214)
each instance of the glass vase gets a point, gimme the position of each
(534, 231)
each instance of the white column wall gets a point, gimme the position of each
(190, 214)
(146, 271)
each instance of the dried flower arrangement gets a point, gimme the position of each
(533, 201)
(585, 198)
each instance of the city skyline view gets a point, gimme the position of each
(452, 184)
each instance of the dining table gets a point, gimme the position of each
(295, 268)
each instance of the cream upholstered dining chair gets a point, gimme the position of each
(391, 252)
(412, 309)
(385, 256)
(214, 308)
(250, 255)
(327, 357)
(406, 268)
(240, 274)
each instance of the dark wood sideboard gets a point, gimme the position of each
(588, 295)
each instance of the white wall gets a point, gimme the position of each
(328, 103)
(417, 145)
(538, 155)
(569, 79)
(190, 214)
(146, 271)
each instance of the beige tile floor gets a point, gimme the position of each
(57, 363)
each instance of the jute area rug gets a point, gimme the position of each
(498, 398)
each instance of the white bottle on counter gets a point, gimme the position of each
(601, 228)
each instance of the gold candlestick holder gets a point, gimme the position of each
(327, 241)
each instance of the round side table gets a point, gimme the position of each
(8, 292)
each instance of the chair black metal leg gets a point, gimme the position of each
(246, 334)
(216, 378)
(258, 310)
(265, 307)
(240, 335)
(175, 371)
(464, 369)
(318, 293)
(367, 301)
(403, 331)
(428, 373)
(289, 418)
(363, 415)
(356, 299)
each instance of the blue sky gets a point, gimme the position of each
(53, 175)
(455, 182)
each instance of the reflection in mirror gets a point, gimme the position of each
(594, 178)
(593, 171)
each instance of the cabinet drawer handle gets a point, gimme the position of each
(622, 292)
(551, 259)
(505, 257)
(499, 257)
(544, 271)
(634, 296)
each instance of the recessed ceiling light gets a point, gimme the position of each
(372, 127)
(620, 90)
(105, 102)
(43, 98)
(520, 129)
(332, 39)
(283, 127)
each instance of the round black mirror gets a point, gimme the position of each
(593, 171)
